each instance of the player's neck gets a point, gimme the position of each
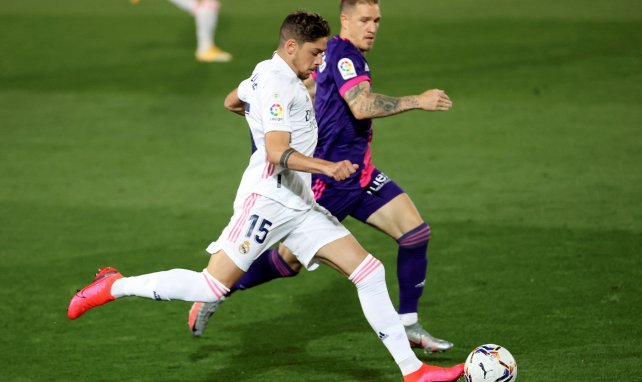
(346, 37)
(287, 59)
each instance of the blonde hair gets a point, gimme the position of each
(345, 4)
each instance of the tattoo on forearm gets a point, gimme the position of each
(285, 157)
(374, 105)
(385, 103)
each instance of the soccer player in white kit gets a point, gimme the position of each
(275, 203)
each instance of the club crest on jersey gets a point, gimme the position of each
(346, 68)
(276, 112)
(244, 248)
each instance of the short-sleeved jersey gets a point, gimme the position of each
(277, 100)
(341, 135)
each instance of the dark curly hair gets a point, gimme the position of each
(303, 27)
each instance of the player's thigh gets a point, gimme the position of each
(384, 205)
(396, 217)
(344, 254)
(256, 225)
(315, 230)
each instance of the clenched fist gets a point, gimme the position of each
(341, 170)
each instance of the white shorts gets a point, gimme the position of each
(262, 222)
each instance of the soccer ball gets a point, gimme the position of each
(490, 363)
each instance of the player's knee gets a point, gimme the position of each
(296, 267)
(290, 259)
(370, 273)
(416, 237)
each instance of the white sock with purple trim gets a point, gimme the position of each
(370, 279)
(175, 284)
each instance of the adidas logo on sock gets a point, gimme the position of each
(382, 336)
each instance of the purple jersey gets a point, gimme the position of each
(341, 135)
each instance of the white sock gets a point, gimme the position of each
(186, 5)
(408, 319)
(206, 19)
(175, 284)
(370, 279)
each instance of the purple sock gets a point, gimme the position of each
(268, 266)
(412, 262)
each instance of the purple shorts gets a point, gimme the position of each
(360, 203)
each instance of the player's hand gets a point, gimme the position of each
(435, 100)
(341, 170)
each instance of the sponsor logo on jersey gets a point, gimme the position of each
(244, 248)
(346, 68)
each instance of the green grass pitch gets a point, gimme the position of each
(115, 150)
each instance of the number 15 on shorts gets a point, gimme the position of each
(259, 228)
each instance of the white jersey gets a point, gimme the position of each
(277, 100)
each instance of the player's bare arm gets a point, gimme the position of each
(365, 104)
(311, 84)
(279, 152)
(233, 103)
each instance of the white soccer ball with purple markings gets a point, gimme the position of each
(490, 363)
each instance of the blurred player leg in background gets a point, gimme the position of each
(205, 14)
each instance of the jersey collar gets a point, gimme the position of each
(280, 63)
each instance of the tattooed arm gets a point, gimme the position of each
(365, 104)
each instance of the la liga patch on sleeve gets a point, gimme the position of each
(276, 112)
(346, 68)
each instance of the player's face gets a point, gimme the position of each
(360, 24)
(308, 56)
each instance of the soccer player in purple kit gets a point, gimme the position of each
(345, 106)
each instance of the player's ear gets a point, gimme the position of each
(344, 20)
(290, 46)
